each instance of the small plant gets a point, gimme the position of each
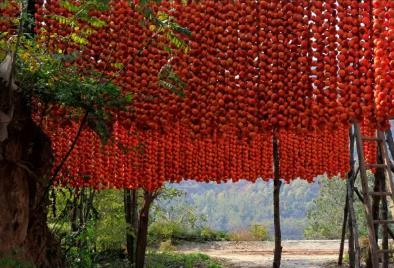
(11, 262)
(176, 260)
(163, 231)
(166, 246)
(80, 251)
(256, 232)
(241, 235)
(259, 232)
(207, 234)
(364, 247)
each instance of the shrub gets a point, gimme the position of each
(364, 247)
(207, 234)
(256, 232)
(241, 235)
(166, 246)
(259, 232)
(163, 231)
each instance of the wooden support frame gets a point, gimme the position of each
(343, 235)
(349, 214)
(385, 235)
(386, 161)
(367, 204)
(352, 222)
(377, 202)
(390, 142)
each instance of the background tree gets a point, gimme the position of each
(325, 216)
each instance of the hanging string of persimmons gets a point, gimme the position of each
(300, 70)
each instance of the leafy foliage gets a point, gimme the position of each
(102, 237)
(235, 206)
(111, 224)
(163, 231)
(48, 76)
(256, 232)
(169, 79)
(175, 220)
(14, 262)
(80, 250)
(259, 231)
(172, 260)
(324, 218)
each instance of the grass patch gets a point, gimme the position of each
(177, 232)
(176, 260)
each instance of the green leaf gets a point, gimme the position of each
(67, 21)
(69, 6)
(95, 22)
(78, 39)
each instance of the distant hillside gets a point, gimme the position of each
(232, 206)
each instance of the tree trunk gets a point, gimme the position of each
(130, 206)
(74, 211)
(25, 163)
(142, 236)
(277, 185)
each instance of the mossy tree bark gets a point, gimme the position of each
(25, 162)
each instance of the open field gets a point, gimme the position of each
(296, 253)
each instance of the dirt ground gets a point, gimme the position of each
(297, 253)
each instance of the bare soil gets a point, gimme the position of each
(253, 254)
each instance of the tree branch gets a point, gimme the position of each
(59, 167)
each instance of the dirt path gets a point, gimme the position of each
(306, 254)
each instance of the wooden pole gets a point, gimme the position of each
(353, 228)
(385, 236)
(277, 185)
(379, 178)
(390, 142)
(346, 209)
(376, 199)
(367, 204)
(344, 223)
(354, 247)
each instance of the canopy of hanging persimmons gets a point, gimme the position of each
(299, 70)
